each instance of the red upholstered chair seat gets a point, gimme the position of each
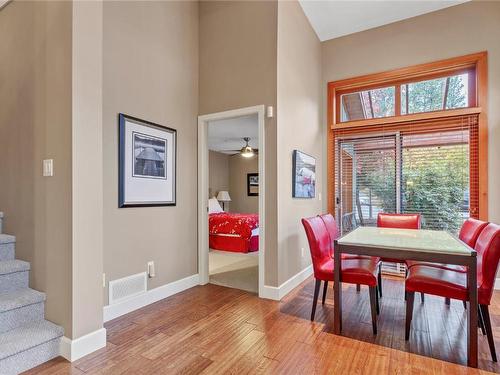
(440, 282)
(449, 267)
(354, 271)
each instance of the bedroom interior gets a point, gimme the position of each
(233, 208)
(249, 186)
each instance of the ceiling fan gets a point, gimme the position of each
(246, 151)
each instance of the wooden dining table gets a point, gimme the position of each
(410, 244)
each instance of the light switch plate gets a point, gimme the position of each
(48, 167)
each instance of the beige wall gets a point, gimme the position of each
(455, 31)
(299, 127)
(35, 124)
(239, 167)
(150, 70)
(218, 177)
(238, 69)
(87, 198)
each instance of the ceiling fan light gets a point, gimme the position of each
(247, 152)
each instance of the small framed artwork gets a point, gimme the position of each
(252, 184)
(147, 163)
(303, 175)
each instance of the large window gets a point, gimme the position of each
(367, 104)
(448, 91)
(412, 140)
(437, 94)
(407, 172)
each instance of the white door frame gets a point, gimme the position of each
(203, 173)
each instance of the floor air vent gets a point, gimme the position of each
(127, 287)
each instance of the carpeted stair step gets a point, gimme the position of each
(19, 307)
(28, 346)
(7, 247)
(14, 275)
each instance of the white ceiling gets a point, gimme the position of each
(334, 18)
(226, 136)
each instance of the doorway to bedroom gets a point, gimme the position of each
(231, 171)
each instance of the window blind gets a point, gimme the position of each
(428, 167)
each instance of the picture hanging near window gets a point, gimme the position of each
(252, 184)
(303, 175)
(147, 163)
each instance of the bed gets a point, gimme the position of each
(234, 232)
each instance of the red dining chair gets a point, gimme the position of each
(401, 221)
(333, 230)
(354, 270)
(453, 284)
(469, 233)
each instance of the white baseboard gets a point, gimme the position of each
(80, 347)
(277, 293)
(151, 296)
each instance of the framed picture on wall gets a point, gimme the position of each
(252, 184)
(147, 163)
(303, 175)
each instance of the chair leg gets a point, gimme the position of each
(406, 275)
(422, 297)
(489, 333)
(481, 321)
(325, 289)
(373, 305)
(410, 298)
(447, 301)
(465, 305)
(380, 280)
(358, 288)
(377, 300)
(315, 298)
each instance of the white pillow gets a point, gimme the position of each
(214, 206)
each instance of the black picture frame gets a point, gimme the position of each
(122, 202)
(295, 174)
(251, 184)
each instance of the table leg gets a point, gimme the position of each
(472, 314)
(337, 292)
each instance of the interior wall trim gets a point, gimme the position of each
(151, 296)
(277, 293)
(75, 349)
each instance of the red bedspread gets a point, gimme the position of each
(232, 223)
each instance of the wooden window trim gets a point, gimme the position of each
(478, 84)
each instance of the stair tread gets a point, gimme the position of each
(19, 298)
(7, 238)
(15, 265)
(28, 336)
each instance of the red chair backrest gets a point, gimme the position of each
(488, 255)
(319, 241)
(402, 221)
(331, 227)
(470, 231)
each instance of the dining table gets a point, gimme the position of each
(411, 244)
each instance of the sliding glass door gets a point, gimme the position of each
(403, 172)
(367, 180)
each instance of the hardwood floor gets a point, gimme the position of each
(216, 330)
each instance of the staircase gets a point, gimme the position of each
(26, 338)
